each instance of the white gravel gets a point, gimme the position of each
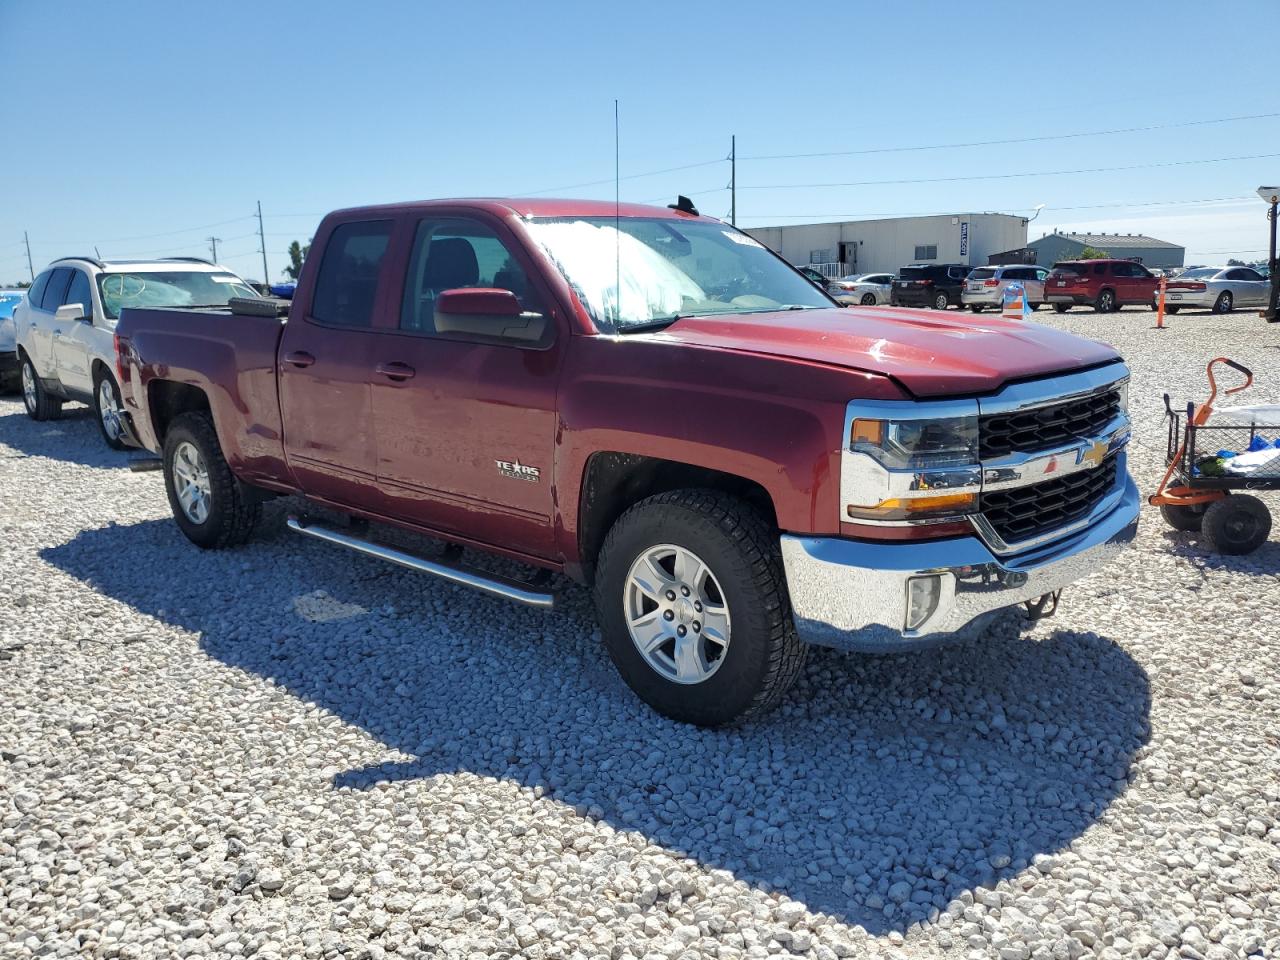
(288, 751)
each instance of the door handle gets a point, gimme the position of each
(299, 358)
(395, 371)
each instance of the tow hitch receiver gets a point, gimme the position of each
(1045, 606)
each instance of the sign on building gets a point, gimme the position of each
(964, 239)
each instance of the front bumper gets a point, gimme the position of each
(853, 595)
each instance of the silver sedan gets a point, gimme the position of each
(862, 288)
(1220, 289)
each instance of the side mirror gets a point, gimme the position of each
(487, 312)
(70, 313)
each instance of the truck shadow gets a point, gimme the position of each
(948, 770)
(73, 437)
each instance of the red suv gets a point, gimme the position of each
(1107, 284)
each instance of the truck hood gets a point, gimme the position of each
(929, 352)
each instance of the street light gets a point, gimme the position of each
(1272, 196)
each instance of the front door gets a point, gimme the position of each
(326, 364)
(466, 420)
(72, 348)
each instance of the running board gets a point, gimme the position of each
(144, 463)
(491, 584)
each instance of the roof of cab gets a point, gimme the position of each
(531, 208)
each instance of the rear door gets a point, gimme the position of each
(326, 364)
(73, 348)
(466, 421)
(1247, 287)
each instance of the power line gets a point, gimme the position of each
(630, 176)
(1012, 140)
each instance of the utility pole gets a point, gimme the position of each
(1270, 313)
(733, 180)
(32, 270)
(262, 238)
(213, 246)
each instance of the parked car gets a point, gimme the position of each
(985, 286)
(1106, 284)
(936, 285)
(1220, 289)
(816, 277)
(466, 369)
(66, 323)
(9, 300)
(862, 288)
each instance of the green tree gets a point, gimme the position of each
(1093, 253)
(1233, 262)
(297, 253)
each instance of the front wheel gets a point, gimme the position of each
(1224, 303)
(693, 605)
(1062, 307)
(1171, 310)
(941, 301)
(1236, 525)
(40, 404)
(1185, 517)
(868, 300)
(211, 507)
(106, 404)
(976, 308)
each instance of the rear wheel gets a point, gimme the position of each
(40, 404)
(1172, 310)
(868, 300)
(1106, 301)
(1062, 307)
(212, 508)
(1187, 518)
(941, 301)
(1237, 525)
(693, 605)
(106, 404)
(976, 308)
(1224, 303)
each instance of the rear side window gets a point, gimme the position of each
(55, 292)
(1070, 269)
(982, 273)
(36, 292)
(1099, 269)
(347, 283)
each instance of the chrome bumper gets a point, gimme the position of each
(853, 595)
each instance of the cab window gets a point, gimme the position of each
(80, 292)
(347, 283)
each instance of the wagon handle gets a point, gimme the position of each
(1168, 407)
(1206, 409)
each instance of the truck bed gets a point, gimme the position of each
(228, 355)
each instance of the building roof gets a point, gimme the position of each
(1112, 241)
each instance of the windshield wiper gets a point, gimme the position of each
(658, 323)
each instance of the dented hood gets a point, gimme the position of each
(929, 352)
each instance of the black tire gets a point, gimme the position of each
(232, 513)
(1188, 519)
(763, 657)
(112, 436)
(1225, 302)
(976, 308)
(1036, 306)
(868, 300)
(1171, 310)
(1235, 526)
(40, 403)
(1062, 307)
(941, 301)
(1106, 301)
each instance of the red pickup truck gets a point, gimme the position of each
(651, 403)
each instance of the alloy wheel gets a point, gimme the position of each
(29, 395)
(191, 482)
(676, 614)
(109, 409)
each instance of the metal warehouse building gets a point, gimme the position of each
(866, 246)
(1148, 251)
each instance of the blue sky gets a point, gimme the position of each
(144, 127)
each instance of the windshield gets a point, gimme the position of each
(1203, 273)
(169, 288)
(668, 269)
(8, 300)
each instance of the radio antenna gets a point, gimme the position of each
(617, 212)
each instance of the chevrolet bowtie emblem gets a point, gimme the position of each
(1093, 455)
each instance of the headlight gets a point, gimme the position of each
(917, 444)
(921, 469)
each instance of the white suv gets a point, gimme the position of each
(65, 327)
(985, 286)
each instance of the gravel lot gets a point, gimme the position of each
(289, 751)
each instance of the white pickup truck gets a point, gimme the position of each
(65, 327)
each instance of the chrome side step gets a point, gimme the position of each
(144, 462)
(491, 584)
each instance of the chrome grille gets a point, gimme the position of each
(1021, 513)
(1041, 428)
